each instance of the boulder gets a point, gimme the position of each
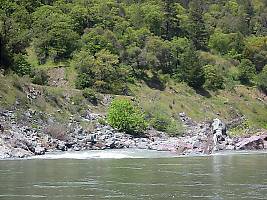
(61, 146)
(251, 143)
(39, 150)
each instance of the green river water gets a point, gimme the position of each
(135, 175)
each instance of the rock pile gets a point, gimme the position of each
(20, 139)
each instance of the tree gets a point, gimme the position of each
(14, 31)
(158, 55)
(262, 80)
(97, 39)
(54, 35)
(213, 79)
(190, 71)
(171, 21)
(196, 28)
(247, 71)
(101, 71)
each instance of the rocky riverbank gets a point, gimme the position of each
(19, 138)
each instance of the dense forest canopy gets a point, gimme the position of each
(115, 42)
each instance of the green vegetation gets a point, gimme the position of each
(125, 116)
(193, 53)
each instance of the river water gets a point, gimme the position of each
(135, 175)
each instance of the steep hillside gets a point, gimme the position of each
(63, 102)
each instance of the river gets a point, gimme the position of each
(135, 175)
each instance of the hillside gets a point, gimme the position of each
(64, 102)
(205, 58)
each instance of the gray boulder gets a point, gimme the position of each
(39, 150)
(251, 143)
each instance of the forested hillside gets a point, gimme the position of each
(111, 46)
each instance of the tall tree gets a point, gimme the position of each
(196, 28)
(171, 22)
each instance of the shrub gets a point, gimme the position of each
(21, 66)
(39, 77)
(262, 80)
(57, 131)
(213, 79)
(247, 71)
(162, 122)
(89, 94)
(127, 117)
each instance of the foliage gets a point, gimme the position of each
(21, 66)
(100, 72)
(262, 79)
(90, 95)
(247, 71)
(125, 116)
(126, 38)
(213, 78)
(53, 34)
(163, 122)
(191, 71)
(39, 77)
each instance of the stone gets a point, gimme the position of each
(110, 144)
(251, 143)
(61, 146)
(39, 150)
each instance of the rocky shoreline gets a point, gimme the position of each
(19, 139)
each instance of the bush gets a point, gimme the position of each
(89, 94)
(166, 124)
(57, 131)
(262, 80)
(39, 77)
(21, 66)
(127, 117)
(247, 71)
(213, 79)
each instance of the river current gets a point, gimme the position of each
(135, 175)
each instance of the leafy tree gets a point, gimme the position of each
(190, 71)
(100, 71)
(196, 28)
(220, 42)
(127, 117)
(256, 51)
(21, 66)
(54, 35)
(213, 78)
(247, 71)
(171, 23)
(262, 80)
(158, 55)
(14, 31)
(97, 39)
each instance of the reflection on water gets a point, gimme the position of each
(216, 177)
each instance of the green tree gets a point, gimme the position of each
(247, 71)
(159, 55)
(96, 39)
(191, 71)
(171, 24)
(127, 117)
(101, 71)
(54, 35)
(213, 78)
(262, 80)
(196, 28)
